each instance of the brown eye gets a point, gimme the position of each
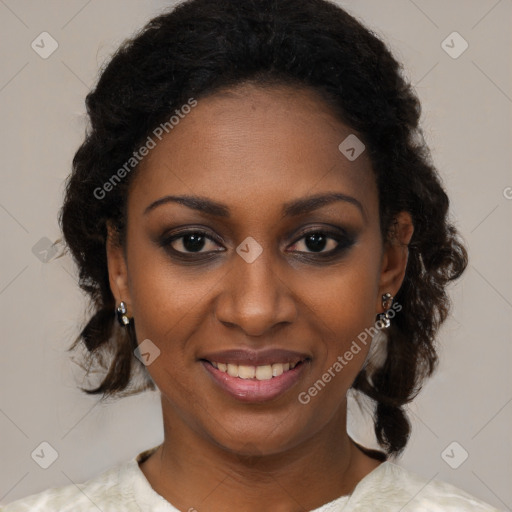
(190, 242)
(318, 241)
(315, 242)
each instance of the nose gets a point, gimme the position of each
(256, 296)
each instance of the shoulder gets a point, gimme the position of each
(396, 488)
(99, 493)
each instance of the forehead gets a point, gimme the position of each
(254, 146)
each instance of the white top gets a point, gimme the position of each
(124, 488)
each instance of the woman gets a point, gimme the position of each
(257, 221)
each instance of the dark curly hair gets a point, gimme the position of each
(201, 47)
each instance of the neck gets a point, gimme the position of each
(192, 472)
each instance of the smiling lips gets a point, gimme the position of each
(264, 372)
(255, 376)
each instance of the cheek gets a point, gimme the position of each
(161, 297)
(346, 296)
(167, 306)
(168, 312)
(345, 313)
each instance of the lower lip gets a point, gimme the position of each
(253, 390)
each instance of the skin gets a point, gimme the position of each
(254, 149)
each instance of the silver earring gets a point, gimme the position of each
(121, 314)
(387, 301)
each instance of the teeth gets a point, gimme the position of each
(277, 369)
(247, 372)
(265, 372)
(233, 370)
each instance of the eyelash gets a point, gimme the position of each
(344, 241)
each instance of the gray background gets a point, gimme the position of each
(467, 122)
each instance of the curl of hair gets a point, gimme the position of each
(201, 47)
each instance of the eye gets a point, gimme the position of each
(322, 242)
(190, 242)
(316, 241)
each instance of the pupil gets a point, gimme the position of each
(318, 242)
(193, 242)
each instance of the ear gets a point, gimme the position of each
(117, 268)
(394, 258)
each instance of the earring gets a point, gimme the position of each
(121, 314)
(387, 301)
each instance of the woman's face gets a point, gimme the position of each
(249, 272)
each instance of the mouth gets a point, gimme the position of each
(263, 372)
(256, 383)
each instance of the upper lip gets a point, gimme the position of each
(248, 357)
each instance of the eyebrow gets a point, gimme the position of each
(290, 209)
